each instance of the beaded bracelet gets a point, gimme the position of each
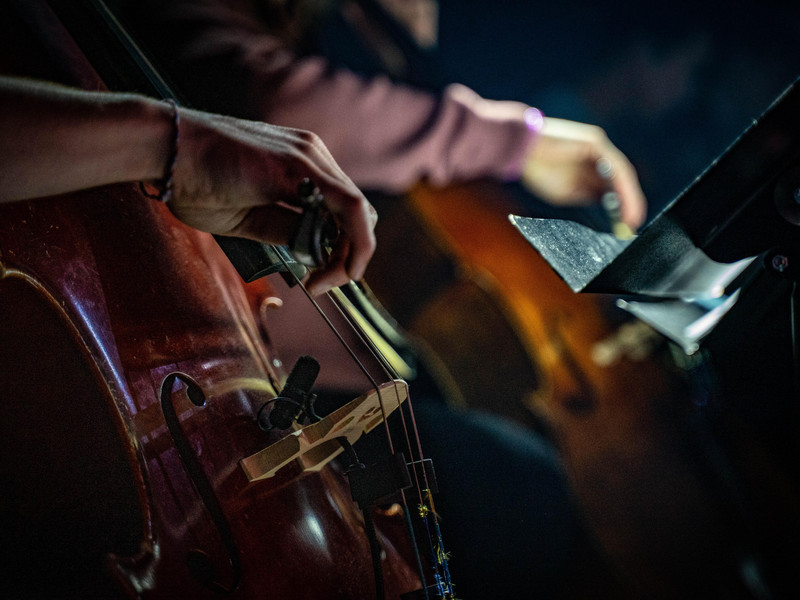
(165, 184)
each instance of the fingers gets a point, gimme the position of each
(356, 219)
(354, 215)
(353, 250)
(615, 168)
(562, 168)
(358, 223)
(243, 174)
(334, 273)
(617, 171)
(343, 264)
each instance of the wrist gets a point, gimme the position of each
(162, 187)
(532, 122)
(137, 136)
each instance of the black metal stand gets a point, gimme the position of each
(687, 270)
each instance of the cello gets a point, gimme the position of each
(132, 457)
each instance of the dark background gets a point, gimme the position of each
(672, 83)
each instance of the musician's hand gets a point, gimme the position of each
(235, 177)
(561, 168)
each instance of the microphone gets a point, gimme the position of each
(295, 393)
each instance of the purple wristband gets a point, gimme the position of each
(534, 119)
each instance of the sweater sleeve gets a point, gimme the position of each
(385, 136)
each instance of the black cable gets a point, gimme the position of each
(375, 550)
(369, 524)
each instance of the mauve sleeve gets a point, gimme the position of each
(385, 136)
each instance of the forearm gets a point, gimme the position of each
(389, 137)
(384, 135)
(55, 139)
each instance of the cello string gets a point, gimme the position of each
(426, 506)
(426, 510)
(376, 355)
(338, 303)
(392, 373)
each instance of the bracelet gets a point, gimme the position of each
(164, 186)
(534, 119)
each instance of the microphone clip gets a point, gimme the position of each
(295, 398)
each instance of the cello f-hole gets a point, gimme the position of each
(198, 561)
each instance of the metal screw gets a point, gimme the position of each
(780, 263)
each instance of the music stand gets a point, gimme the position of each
(685, 270)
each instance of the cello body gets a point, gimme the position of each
(92, 466)
(133, 362)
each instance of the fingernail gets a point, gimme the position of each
(604, 168)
